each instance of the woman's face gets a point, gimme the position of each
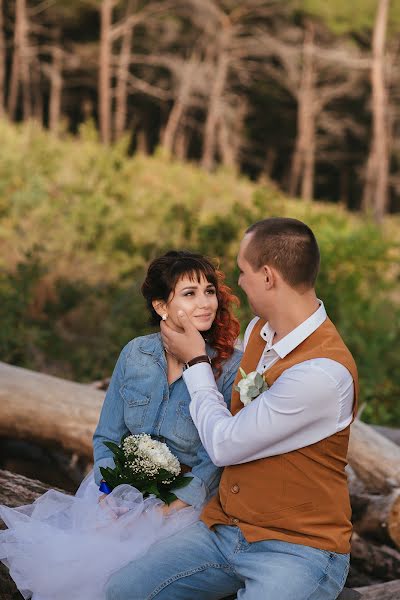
(197, 298)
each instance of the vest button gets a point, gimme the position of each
(234, 520)
(235, 489)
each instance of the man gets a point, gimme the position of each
(279, 528)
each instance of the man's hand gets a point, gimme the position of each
(184, 346)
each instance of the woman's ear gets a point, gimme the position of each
(160, 307)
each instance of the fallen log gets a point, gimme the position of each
(374, 515)
(381, 591)
(392, 433)
(382, 562)
(15, 490)
(374, 458)
(48, 410)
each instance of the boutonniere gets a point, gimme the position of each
(250, 386)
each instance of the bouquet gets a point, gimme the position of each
(146, 464)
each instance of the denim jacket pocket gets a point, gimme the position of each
(184, 428)
(136, 405)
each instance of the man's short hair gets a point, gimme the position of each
(289, 246)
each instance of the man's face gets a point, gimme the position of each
(252, 282)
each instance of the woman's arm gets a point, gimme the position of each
(111, 425)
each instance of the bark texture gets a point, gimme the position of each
(48, 410)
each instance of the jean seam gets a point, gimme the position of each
(168, 582)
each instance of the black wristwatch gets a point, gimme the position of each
(196, 360)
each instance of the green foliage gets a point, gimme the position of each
(343, 17)
(159, 483)
(79, 223)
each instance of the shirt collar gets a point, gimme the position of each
(295, 337)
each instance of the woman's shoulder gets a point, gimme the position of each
(147, 344)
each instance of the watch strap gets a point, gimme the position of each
(198, 359)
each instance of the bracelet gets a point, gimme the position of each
(105, 488)
(196, 360)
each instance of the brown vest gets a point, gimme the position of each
(300, 496)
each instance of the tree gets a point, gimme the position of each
(375, 194)
(20, 64)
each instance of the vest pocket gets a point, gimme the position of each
(136, 405)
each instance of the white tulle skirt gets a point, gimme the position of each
(65, 547)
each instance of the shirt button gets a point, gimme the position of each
(235, 489)
(234, 521)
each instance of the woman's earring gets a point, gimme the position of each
(164, 317)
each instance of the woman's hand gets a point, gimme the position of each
(173, 507)
(101, 498)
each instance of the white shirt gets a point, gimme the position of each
(307, 403)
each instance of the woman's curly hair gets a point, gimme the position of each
(162, 276)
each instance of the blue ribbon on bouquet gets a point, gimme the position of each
(105, 488)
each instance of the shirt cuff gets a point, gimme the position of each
(102, 462)
(199, 377)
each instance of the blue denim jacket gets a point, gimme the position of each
(139, 400)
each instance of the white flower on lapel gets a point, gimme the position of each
(250, 386)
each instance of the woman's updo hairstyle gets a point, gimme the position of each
(161, 279)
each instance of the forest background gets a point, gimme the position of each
(131, 127)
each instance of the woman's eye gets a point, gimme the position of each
(212, 292)
(188, 294)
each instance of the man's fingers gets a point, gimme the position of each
(185, 321)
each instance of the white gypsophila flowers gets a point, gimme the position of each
(147, 456)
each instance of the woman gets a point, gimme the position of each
(65, 547)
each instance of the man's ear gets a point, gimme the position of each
(159, 306)
(269, 277)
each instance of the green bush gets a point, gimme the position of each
(79, 222)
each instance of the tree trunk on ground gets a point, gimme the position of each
(381, 519)
(15, 490)
(381, 591)
(375, 515)
(374, 458)
(392, 433)
(303, 162)
(382, 562)
(105, 71)
(48, 410)
(375, 195)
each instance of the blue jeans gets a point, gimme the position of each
(198, 563)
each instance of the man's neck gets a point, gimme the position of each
(286, 317)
